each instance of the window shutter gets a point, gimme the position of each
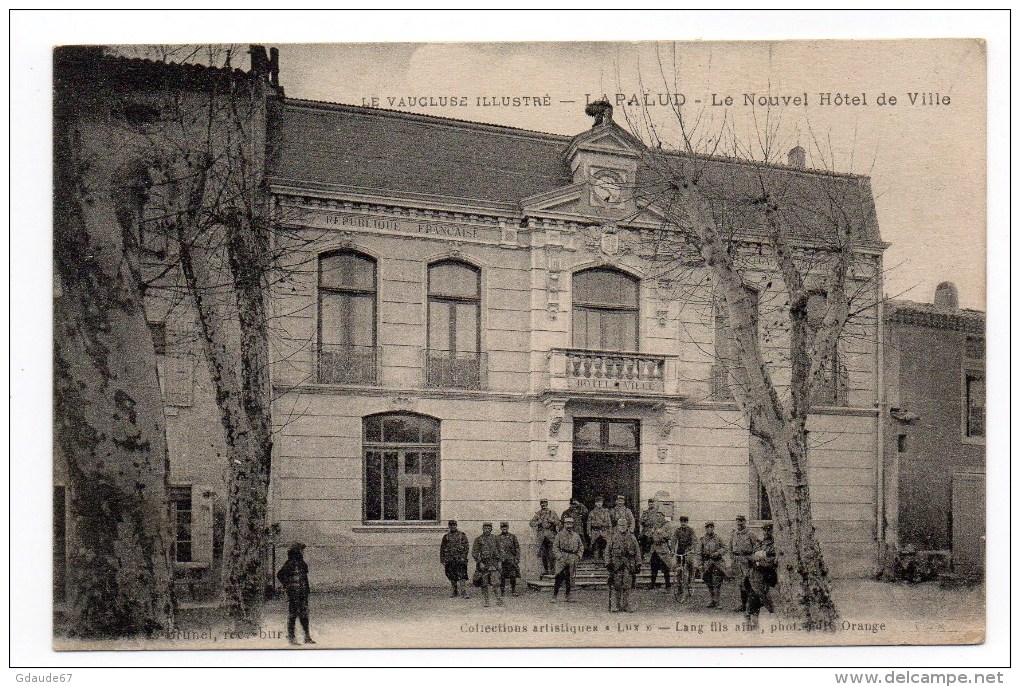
(179, 380)
(202, 523)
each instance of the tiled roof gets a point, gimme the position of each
(927, 315)
(395, 153)
(390, 153)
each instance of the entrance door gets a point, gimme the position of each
(606, 461)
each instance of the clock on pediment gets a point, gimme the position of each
(606, 187)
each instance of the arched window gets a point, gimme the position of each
(605, 310)
(401, 468)
(453, 357)
(347, 338)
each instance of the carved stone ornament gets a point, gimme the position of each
(662, 315)
(610, 240)
(402, 403)
(663, 453)
(553, 449)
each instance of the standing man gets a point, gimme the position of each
(510, 551)
(647, 522)
(544, 523)
(600, 525)
(711, 550)
(453, 554)
(294, 578)
(569, 549)
(623, 563)
(684, 542)
(621, 512)
(488, 561)
(658, 543)
(762, 577)
(579, 512)
(743, 543)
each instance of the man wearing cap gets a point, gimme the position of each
(647, 521)
(658, 544)
(743, 543)
(623, 561)
(683, 543)
(544, 523)
(621, 512)
(600, 525)
(762, 577)
(510, 552)
(710, 550)
(453, 554)
(579, 512)
(569, 549)
(488, 561)
(294, 578)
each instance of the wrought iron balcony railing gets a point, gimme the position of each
(343, 364)
(454, 369)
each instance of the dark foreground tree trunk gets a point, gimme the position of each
(108, 417)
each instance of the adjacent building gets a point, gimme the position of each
(935, 430)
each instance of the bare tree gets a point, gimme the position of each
(786, 263)
(108, 414)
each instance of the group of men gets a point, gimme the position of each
(609, 534)
(612, 541)
(497, 561)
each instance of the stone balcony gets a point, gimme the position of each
(611, 372)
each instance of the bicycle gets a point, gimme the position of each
(684, 572)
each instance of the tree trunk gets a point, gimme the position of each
(109, 425)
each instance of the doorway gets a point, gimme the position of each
(606, 461)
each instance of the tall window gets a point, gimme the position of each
(720, 385)
(180, 517)
(453, 357)
(605, 310)
(974, 387)
(347, 343)
(831, 386)
(401, 468)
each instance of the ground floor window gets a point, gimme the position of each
(401, 468)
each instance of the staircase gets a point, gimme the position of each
(591, 575)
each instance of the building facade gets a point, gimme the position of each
(468, 318)
(935, 430)
(469, 324)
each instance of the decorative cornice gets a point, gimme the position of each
(971, 322)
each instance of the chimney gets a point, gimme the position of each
(797, 157)
(946, 298)
(601, 110)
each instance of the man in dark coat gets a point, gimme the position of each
(544, 523)
(600, 528)
(510, 549)
(658, 544)
(453, 554)
(710, 550)
(294, 578)
(762, 577)
(579, 512)
(488, 560)
(569, 548)
(647, 520)
(743, 543)
(623, 561)
(684, 544)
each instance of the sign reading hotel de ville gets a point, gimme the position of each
(506, 332)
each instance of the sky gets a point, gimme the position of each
(926, 161)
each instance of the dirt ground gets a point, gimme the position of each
(870, 613)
